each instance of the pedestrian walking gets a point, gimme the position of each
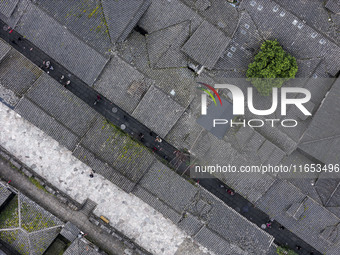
(158, 139)
(263, 226)
(97, 100)
(298, 247)
(269, 225)
(230, 192)
(91, 174)
(281, 228)
(67, 83)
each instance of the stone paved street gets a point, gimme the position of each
(126, 212)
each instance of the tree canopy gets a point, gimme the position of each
(272, 67)
(285, 251)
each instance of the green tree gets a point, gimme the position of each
(285, 251)
(272, 67)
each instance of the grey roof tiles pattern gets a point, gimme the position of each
(4, 194)
(116, 81)
(281, 196)
(157, 204)
(322, 138)
(278, 23)
(333, 6)
(81, 247)
(13, 64)
(16, 14)
(48, 124)
(160, 15)
(206, 45)
(164, 46)
(7, 7)
(4, 49)
(159, 117)
(190, 224)
(103, 169)
(85, 19)
(234, 228)
(245, 41)
(63, 46)
(119, 151)
(217, 244)
(70, 231)
(122, 15)
(220, 13)
(328, 190)
(62, 105)
(168, 186)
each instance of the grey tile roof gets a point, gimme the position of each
(117, 84)
(103, 169)
(329, 192)
(168, 186)
(202, 5)
(157, 204)
(250, 186)
(160, 15)
(270, 154)
(4, 194)
(69, 231)
(190, 224)
(48, 124)
(273, 21)
(81, 247)
(7, 7)
(164, 46)
(122, 16)
(85, 19)
(283, 195)
(63, 46)
(217, 244)
(17, 13)
(220, 13)
(62, 105)
(4, 49)
(313, 13)
(38, 228)
(18, 73)
(183, 132)
(239, 231)
(307, 67)
(118, 150)
(159, 117)
(206, 45)
(245, 41)
(322, 138)
(333, 6)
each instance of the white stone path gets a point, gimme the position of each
(126, 212)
